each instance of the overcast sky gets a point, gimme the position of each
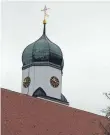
(82, 31)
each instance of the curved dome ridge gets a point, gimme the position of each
(55, 45)
(41, 49)
(29, 46)
(25, 52)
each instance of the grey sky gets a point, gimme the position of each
(81, 29)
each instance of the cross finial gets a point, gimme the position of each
(45, 14)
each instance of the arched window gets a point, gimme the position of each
(39, 93)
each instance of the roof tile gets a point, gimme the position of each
(25, 115)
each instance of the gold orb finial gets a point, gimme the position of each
(44, 21)
(45, 14)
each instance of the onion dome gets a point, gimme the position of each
(43, 52)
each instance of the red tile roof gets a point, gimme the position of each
(25, 115)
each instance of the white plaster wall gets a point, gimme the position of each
(32, 76)
(40, 77)
(25, 73)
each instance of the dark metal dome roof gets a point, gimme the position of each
(43, 50)
(63, 98)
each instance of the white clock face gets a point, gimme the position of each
(54, 81)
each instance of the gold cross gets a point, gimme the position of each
(45, 13)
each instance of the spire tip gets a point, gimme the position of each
(45, 14)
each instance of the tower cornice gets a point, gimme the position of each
(41, 64)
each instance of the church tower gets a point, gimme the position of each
(42, 69)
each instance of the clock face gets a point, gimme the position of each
(26, 82)
(54, 81)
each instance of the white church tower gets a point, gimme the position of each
(42, 69)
